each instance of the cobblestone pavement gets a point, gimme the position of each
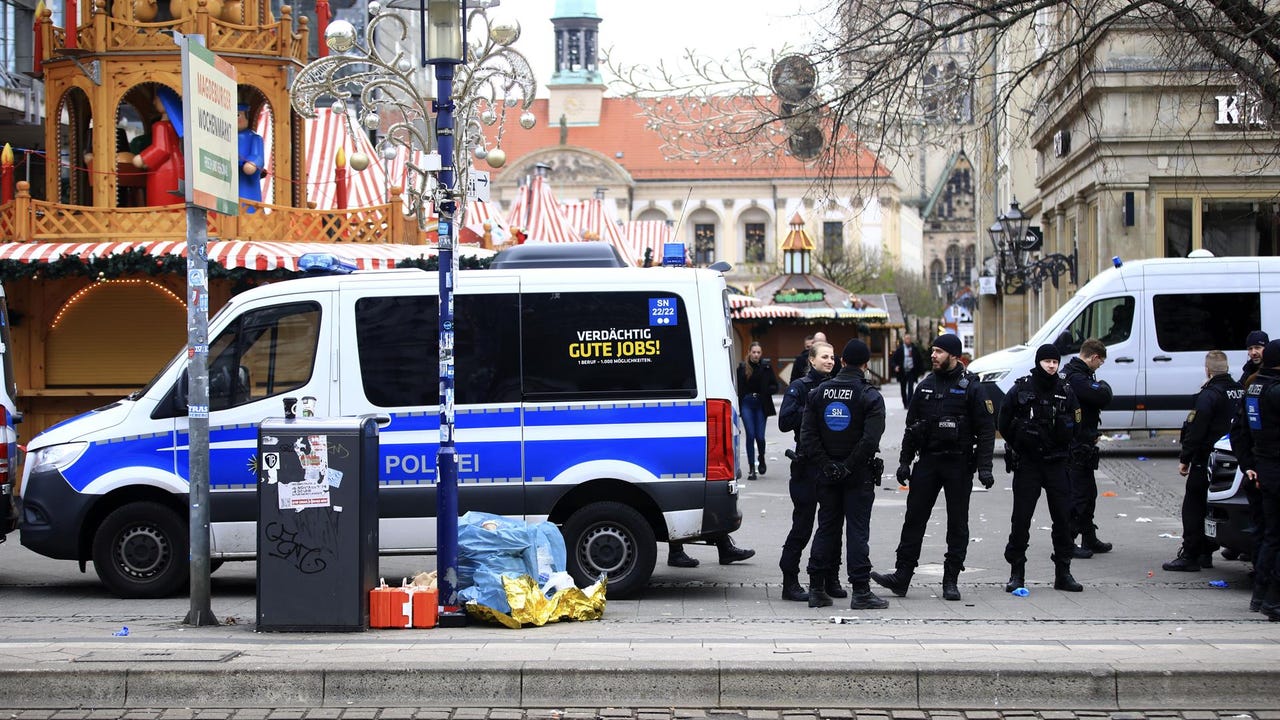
(404, 713)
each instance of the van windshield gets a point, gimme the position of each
(1049, 331)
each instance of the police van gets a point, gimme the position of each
(1157, 318)
(9, 417)
(601, 399)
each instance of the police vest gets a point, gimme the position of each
(1042, 419)
(1262, 413)
(943, 427)
(842, 416)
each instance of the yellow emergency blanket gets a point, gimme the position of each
(530, 607)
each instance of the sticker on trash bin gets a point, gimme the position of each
(334, 476)
(271, 466)
(302, 495)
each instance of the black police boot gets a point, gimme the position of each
(1062, 579)
(730, 553)
(950, 590)
(1206, 560)
(792, 589)
(1259, 593)
(1090, 540)
(1185, 562)
(834, 589)
(897, 581)
(1271, 602)
(864, 599)
(1080, 552)
(677, 557)
(1017, 576)
(818, 596)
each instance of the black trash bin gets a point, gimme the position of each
(317, 523)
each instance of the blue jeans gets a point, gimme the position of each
(753, 426)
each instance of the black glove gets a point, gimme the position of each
(904, 473)
(986, 478)
(835, 471)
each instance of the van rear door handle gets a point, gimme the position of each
(1124, 360)
(1162, 358)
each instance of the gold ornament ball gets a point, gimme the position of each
(504, 32)
(340, 36)
(496, 158)
(359, 161)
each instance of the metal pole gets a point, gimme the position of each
(451, 614)
(201, 611)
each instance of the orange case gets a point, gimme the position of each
(389, 607)
(425, 608)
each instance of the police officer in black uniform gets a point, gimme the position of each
(1093, 395)
(1254, 344)
(1255, 438)
(952, 426)
(1213, 408)
(804, 476)
(840, 435)
(1038, 421)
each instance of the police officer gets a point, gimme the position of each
(1213, 408)
(804, 476)
(1255, 438)
(952, 426)
(840, 435)
(1093, 395)
(1254, 344)
(1038, 421)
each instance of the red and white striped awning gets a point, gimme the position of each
(741, 301)
(592, 220)
(768, 311)
(650, 235)
(327, 132)
(539, 215)
(252, 255)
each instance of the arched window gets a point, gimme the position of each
(953, 261)
(970, 259)
(936, 273)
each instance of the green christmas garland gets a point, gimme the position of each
(139, 262)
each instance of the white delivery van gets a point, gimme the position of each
(599, 398)
(9, 418)
(1158, 318)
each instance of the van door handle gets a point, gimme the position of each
(1124, 360)
(1162, 358)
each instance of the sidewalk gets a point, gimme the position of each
(717, 637)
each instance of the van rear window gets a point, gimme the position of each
(1199, 322)
(606, 345)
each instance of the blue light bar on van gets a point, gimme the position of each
(326, 263)
(673, 254)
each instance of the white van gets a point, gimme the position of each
(601, 399)
(9, 418)
(1158, 318)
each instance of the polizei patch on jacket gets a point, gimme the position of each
(836, 416)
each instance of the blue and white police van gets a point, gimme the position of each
(601, 399)
(9, 418)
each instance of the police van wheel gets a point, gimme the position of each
(140, 551)
(609, 538)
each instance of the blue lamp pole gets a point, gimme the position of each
(383, 81)
(444, 51)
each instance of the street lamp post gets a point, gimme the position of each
(1011, 243)
(472, 79)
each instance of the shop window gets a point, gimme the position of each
(1226, 227)
(704, 244)
(114, 333)
(754, 242)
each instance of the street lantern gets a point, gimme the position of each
(1015, 224)
(444, 35)
(996, 233)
